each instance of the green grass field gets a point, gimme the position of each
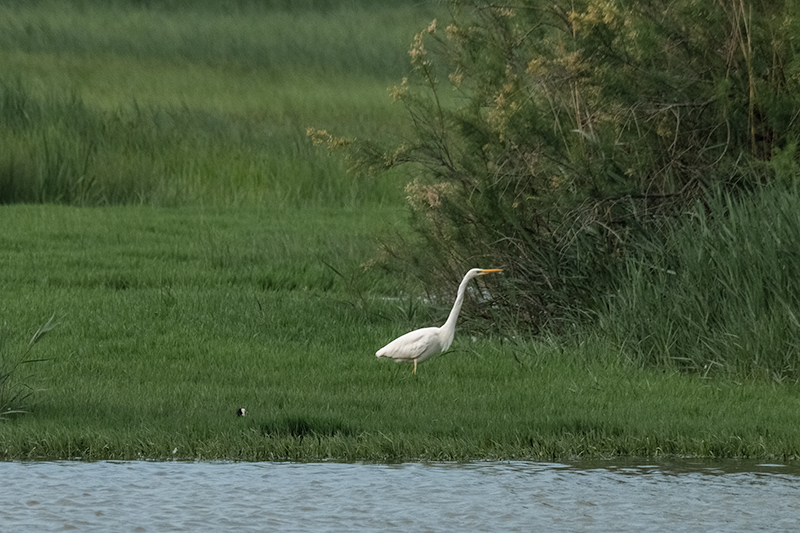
(200, 255)
(172, 319)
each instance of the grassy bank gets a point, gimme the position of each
(170, 320)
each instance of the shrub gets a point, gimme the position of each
(548, 134)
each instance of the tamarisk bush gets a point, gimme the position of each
(546, 135)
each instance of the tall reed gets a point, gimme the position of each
(14, 390)
(720, 293)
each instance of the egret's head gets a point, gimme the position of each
(475, 272)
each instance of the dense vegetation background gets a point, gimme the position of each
(580, 145)
(171, 201)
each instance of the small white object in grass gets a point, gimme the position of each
(240, 412)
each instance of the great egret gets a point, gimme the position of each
(420, 344)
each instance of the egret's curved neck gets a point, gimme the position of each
(449, 327)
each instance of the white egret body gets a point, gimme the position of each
(420, 344)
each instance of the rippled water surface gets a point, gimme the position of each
(508, 496)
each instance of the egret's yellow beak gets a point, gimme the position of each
(490, 270)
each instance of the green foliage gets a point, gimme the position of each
(548, 135)
(720, 294)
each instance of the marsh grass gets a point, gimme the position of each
(175, 318)
(719, 294)
(176, 104)
(353, 38)
(62, 151)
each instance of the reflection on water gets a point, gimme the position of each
(507, 496)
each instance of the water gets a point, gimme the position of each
(508, 496)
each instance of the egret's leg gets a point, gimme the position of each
(415, 367)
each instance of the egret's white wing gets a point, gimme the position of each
(416, 344)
